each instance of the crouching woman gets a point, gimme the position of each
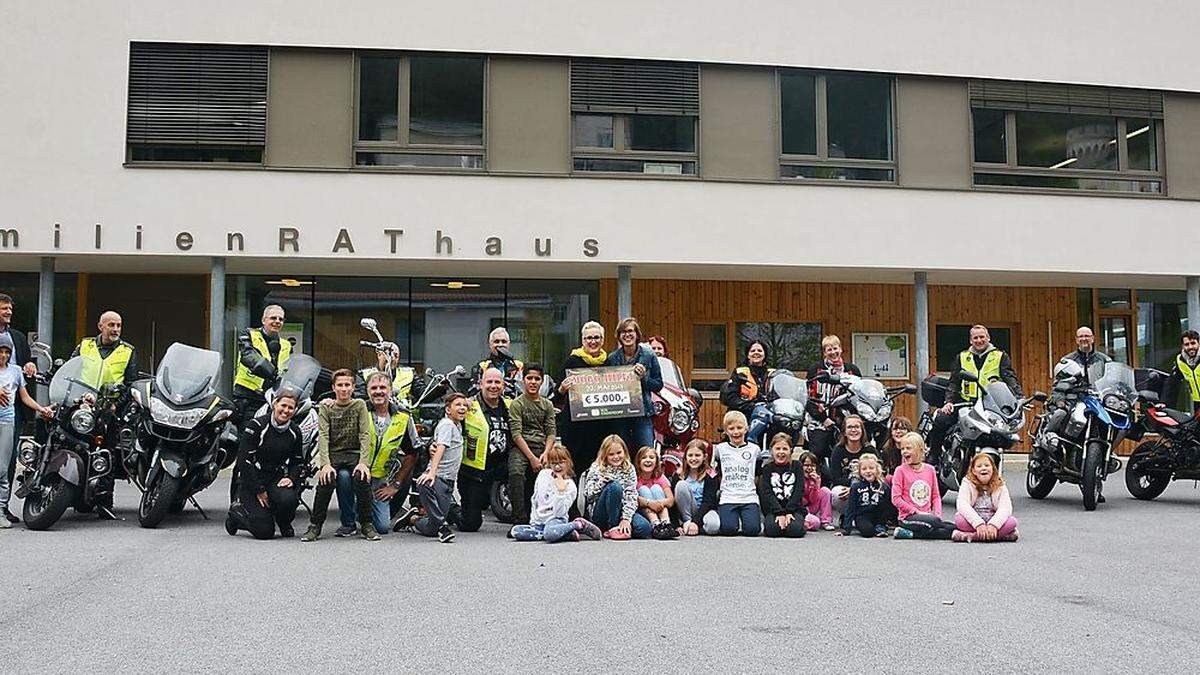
(270, 459)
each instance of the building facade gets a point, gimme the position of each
(886, 172)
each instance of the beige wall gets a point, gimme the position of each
(737, 123)
(1182, 126)
(933, 133)
(529, 115)
(310, 109)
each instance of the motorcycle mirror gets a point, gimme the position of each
(826, 378)
(368, 323)
(58, 363)
(458, 370)
(1149, 396)
(969, 377)
(1040, 397)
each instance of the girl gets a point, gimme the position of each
(553, 494)
(781, 491)
(984, 507)
(817, 499)
(915, 494)
(870, 503)
(843, 462)
(695, 479)
(737, 458)
(12, 387)
(610, 496)
(899, 426)
(655, 497)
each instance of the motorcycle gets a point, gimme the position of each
(869, 400)
(676, 410)
(1074, 442)
(179, 431)
(990, 424)
(1173, 455)
(76, 463)
(788, 397)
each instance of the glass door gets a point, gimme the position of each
(1114, 338)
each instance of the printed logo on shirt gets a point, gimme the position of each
(919, 492)
(782, 484)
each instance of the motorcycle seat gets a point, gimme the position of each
(1177, 416)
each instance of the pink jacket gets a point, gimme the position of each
(968, 493)
(916, 491)
(812, 492)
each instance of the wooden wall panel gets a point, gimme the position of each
(1043, 319)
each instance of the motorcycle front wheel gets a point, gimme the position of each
(1092, 480)
(1143, 484)
(501, 504)
(157, 500)
(1039, 481)
(43, 508)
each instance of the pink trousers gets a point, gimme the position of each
(821, 512)
(1003, 531)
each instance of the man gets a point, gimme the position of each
(391, 435)
(387, 359)
(486, 444)
(533, 430)
(107, 358)
(262, 356)
(984, 361)
(1086, 355)
(499, 358)
(822, 429)
(20, 357)
(1187, 369)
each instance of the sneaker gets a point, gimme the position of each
(313, 533)
(902, 533)
(230, 525)
(828, 527)
(10, 516)
(616, 535)
(4, 524)
(345, 531)
(664, 532)
(287, 531)
(960, 536)
(445, 534)
(369, 532)
(882, 534)
(1013, 536)
(405, 519)
(587, 529)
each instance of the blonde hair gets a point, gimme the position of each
(870, 457)
(830, 340)
(733, 416)
(589, 325)
(637, 462)
(918, 443)
(556, 453)
(612, 441)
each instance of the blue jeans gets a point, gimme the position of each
(555, 529)
(381, 511)
(345, 496)
(606, 514)
(743, 519)
(638, 433)
(760, 419)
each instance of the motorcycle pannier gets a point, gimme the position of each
(933, 390)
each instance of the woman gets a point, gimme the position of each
(638, 432)
(582, 438)
(658, 345)
(270, 462)
(746, 390)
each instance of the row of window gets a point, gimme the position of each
(428, 112)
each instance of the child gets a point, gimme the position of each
(915, 494)
(817, 499)
(738, 461)
(553, 494)
(843, 461)
(984, 507)
(898, 427)
(435, 486)
(655, 497)
(610, 496)
(344, 449)
(12, 387)
(781, 491)
(695, 480)
(870, 500)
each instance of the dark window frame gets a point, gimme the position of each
(620, 151)
(1014, 338)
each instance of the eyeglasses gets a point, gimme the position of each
(590, 338)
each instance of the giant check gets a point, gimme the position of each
(606, 392)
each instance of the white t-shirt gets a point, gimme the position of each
(449, 434)
(11, 381)
(737, 472)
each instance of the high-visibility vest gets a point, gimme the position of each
(989, 372)
(476, 434)
(382, 449)
(487, 363)
(1191, 376)
(99, 371)
(243, 376)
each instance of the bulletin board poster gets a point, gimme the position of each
(883, 356)
(293, 333)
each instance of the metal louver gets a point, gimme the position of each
(184, 94)
(1065, 98)
(608, 85)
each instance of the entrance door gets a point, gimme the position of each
(1115, 338)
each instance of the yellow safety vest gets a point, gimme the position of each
(989, 372)
(487, 363)
(383, 448)
(243, 376)
(401, 384)
(476, 433)
(99, 371)
(1191, 376)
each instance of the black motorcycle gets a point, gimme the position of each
(179, 429)
(75, 464)
(1173, 454)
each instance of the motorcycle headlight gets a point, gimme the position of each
(180, 419)
(82, 421)
(99, 464)
(1116, 404)
(681, 421)
(28, 453)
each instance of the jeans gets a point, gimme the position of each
(685, 501)
(354, 499)
(760, 419)
(743, 519)
(638, 433)
(436, 499)
(260, 521)
(8, 435)
(606, 513)
(553, 530)
(381, 511)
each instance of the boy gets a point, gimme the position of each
(435, 486)
(343, 450)
(531, 421)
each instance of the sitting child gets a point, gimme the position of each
(553, 494)
(781, 491)
(818, 501)
(915, 494)
(655, 497)
(693, 480)
(984, 507)
(869, 506)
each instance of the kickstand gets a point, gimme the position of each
(192, 499)
(106, 512)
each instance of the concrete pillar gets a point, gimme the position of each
(216, 306)
(45, 320)
(921, 330)
(624, 291)
(1193, 303)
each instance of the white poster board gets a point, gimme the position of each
(294, 333)
(882, 356)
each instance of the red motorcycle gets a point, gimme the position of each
(1173, 455)
(676, 412)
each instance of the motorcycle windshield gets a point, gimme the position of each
(67, 383)
(786, 385)
(1118, 379)
(871, 392)
(187, 373)
(998, 398)
(301, 376)
(670, 373)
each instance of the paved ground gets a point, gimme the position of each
(1099, 592)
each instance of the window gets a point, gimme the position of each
(709, 347)
(950, 340)
(196, 103)
(835, 126)
(718, 347)
(634, 117)
(420, 112)
(1161, 319)
(1071, 138)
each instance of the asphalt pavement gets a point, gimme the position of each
(1107, 591)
